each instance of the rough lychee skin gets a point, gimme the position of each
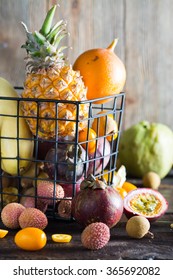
(46, 190)
(33, 217)
(64, 209)
(95, 236)
(31, 202)
(10, 215)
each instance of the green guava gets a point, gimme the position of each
(146, 147)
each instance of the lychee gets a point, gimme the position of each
(33, 217)
(47, 189)
(64, 208)
(95, 236)
(30, 201)
(10, 214)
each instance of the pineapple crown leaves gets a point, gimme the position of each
(43, 45)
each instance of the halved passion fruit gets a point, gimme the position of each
(145, 202)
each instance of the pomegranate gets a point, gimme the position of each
(99, 159)
(145, 202)
(64, 161)
(97, 202)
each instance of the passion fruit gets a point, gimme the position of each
(145, 202)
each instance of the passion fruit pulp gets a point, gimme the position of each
(145, 202)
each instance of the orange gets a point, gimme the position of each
(3, 233)
(103, 72)
(121, 191)
(90, 136)
(106, 125)
(127, 186)
(63, 238)
(30, 239)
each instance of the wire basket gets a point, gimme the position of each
(69, 160)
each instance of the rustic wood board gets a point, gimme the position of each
(12, 35)
(148, 61)
(120, 245)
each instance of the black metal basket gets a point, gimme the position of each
(19, 186)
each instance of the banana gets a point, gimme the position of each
(7, 106)
(16, 141)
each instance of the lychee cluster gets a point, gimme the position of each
(95, 236)
(14, 215)
(48, 193)
(30, 211)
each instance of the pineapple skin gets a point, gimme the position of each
(48, 119)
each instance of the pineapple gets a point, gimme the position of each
(50, 77)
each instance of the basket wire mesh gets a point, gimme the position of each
(17, 187)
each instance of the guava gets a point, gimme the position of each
(146, 147)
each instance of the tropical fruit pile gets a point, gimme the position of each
(59, 144)
(51, 136)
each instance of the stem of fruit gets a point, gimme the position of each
(112, 46)
(149, 234)
(45, 29)
(91, 182)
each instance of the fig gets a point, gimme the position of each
(97, 202)
(64, 161)
(145, 202)
(99, 159)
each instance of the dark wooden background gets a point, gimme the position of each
(145, 32)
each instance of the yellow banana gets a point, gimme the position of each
(16, 139)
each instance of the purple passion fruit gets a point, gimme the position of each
(145, 202)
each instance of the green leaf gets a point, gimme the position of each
(62, 48)
(39, 37)
(56, 25)
(55, 32)
(58, 40)
(45, 29)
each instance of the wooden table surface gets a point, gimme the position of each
(120, 246)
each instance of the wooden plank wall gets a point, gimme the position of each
(144, 29)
